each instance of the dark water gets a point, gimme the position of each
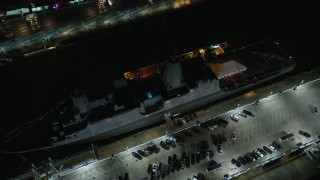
(36, 84)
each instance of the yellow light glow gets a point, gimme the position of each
(201, 51)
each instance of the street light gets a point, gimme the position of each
(256, 102)
(294, 87)
(301, 82)
(44, 44)
(270, 95)
(205, 115)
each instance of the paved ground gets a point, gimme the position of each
(274, 116)
(298, 168)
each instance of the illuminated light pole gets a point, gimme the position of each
(208, 110)
(53, 168)
(294, 87)
(270, 95)
(256, 102)
(44, 11)
(35, 172)
(44, 44)
(22, 16)
(301, 82)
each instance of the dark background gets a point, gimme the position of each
(33, 85)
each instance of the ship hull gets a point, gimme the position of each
(159, 117)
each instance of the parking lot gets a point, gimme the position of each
(275, 116)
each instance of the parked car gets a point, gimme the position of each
(155, 148)
(233, 135)
(126, 176)
(183, 163)
(187, 161)
(222, 122)
(147, 151)
(255, 155)
(276, 144)
(258, 152)
(262, 151)
(212, 124)
(207, 155)
(234, 117)
(193, 159)
(241, 113)
(304, 133)
(242, 160)
(224, 139)
(136, 155)
(169, 159)
(246, 157)
(163, 172)
(220, 149)
(142, 153)
(233, 161)
(315, 110)
(179, 139)
(272, 148)
(236, 162)
(211, 154)
(248, 113)
(154, 168)
(169, 169)
(149, 168)
(170, 143)
(249, 157)
(164, 145)
(267, 149)
(214, 139)
(219, 137)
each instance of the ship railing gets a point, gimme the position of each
(123, 112)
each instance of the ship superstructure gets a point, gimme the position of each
(141, 97)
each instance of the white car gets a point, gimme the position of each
(219, 147)
(273, 149)
(154, 168)
(234, 117)
(233, 136)
(259, 153)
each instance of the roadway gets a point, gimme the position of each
(67, 23)
(275, 115)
